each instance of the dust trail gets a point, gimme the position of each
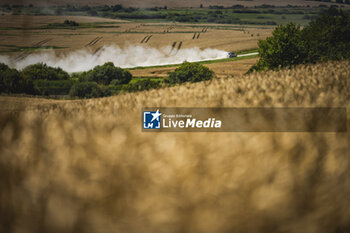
(132, 56)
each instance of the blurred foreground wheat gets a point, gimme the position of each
(85, 166)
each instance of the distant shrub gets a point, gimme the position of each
(53, 87)
(10, 80)
(71, 23)
(92, 13)
(113, 89)
(190, 72)
(86, 90)
(265, 6)
(237, 6)
(142, 84)
(117, 7)
(107, 73)
(216, 7)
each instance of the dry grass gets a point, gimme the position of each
(85, 166)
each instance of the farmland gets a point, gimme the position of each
(85, 165)
(122, 33)
(96, 33)
(59, 31)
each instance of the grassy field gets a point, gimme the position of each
(85, 166)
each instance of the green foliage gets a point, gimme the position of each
(3, 67)
(326, 38)
(284, 48)
(70, 23)
(117, 7)
(86, 90)
(107, 73)
(142, 84)
(42, 71)
(92, 13)
(53, 87)
(40, 79)
(190, 72)
(10, 80)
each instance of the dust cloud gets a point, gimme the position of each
(128, 57)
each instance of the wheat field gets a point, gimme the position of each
(85, 165)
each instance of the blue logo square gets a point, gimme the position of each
(151, 120)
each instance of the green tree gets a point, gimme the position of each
(190, 72)
(327, 37)
(106, 73)
(10, 80)
(284, 48)
(42, 71)
(117, 7)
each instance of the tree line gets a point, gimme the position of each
(102, 80)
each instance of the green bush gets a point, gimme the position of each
(86, 90)
(142, 85)
(113, 89)
(53, 87)
(42, 71)
(10, 80)
(190, 72)
(107, 73)
(70, 23)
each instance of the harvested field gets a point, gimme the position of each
(22, 35)
(26, 36)
(85, 166)
(222, 69)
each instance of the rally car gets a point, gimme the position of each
(232, 54)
